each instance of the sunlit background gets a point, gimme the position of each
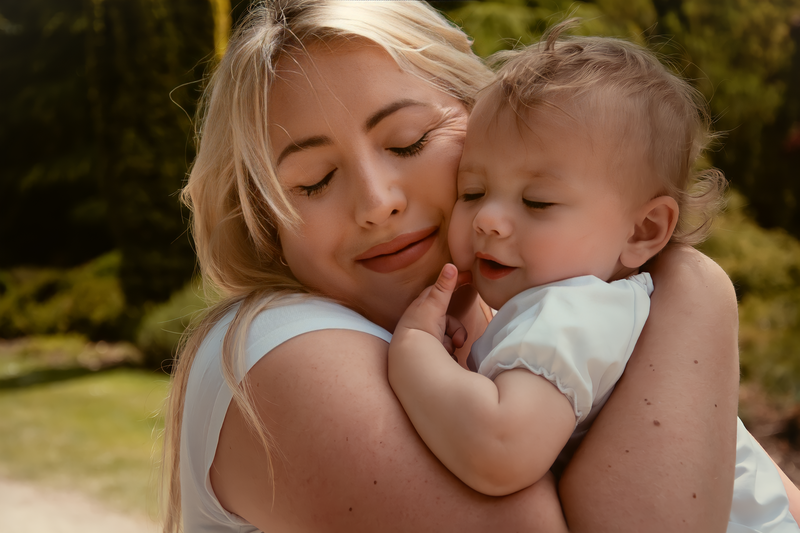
(97, 99)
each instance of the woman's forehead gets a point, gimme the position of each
(321, 64)
(328, 84)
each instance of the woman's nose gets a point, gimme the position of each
(493, 220)
(380, 196)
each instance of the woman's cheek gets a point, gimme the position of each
(450, 146)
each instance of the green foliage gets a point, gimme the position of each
(32, 358)
(765, 268)
(87, 300)
(51, 208)
(501, 25)
(162, 327)
(144, 62)
(745, 57)
(95, 124)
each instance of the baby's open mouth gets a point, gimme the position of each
(491, 269)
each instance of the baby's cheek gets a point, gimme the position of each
(460, 238)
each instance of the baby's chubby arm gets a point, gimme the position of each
(496, 436)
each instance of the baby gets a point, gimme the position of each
(578, 168)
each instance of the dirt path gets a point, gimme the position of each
(27, 508)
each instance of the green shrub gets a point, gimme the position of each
(20, 358)
(163, 325)
(87, 299)
(765, 268)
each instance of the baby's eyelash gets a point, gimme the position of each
(411, 149)
(311, 190)
(471, 196)
(536, 205)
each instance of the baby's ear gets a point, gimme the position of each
(653, 228)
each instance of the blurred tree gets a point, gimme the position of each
(764, 266)
(51, 210)
(772, 183)
(95, 123)
(743, 56)
(145, 60)
(95, 150)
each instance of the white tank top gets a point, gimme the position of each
(208, 398)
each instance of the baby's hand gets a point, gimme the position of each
(428, 312)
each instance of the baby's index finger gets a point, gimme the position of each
(444, 286)
(449, 270)
(446, 282)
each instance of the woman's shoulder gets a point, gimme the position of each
(278, 324)
(282, 321)
(208, 395)
(271, 327)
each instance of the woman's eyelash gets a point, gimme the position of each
(411, 149)
(311, 190)
(406, 151)
(536, 205)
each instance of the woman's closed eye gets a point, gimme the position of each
(412, 149)
(533, 204)
(318, 187)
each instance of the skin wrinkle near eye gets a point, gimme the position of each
(375, 119)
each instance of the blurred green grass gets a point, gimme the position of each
(97, 434)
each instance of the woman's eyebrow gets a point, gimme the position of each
(388, 110)
(310, 142)
(372, 121)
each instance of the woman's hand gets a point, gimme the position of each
(661, 454)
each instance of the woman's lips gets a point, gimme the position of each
(400, 252)
(491, 269)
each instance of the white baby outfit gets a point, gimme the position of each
(578, 334)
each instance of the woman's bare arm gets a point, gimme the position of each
(349, 458)
(660, 456)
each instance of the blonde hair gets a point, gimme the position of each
(622, 81)
(233, 190)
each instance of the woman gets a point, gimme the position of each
(327, 164)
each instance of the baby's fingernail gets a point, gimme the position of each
(449, 271)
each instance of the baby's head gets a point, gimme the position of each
(579, 160)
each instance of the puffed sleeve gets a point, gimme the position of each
(577, 333)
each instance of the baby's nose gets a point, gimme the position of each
(493, 219)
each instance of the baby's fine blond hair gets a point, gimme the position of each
(624, 84)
